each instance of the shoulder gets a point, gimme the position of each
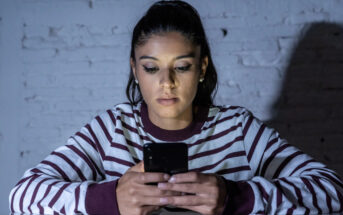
(123, 109)
(228, 110)
(230, 115)
(120, 111)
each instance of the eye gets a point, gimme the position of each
(183, 68)
(150, 69)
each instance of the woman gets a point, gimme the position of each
(237, 165)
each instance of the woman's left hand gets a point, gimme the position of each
(208, 192)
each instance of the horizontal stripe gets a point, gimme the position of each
(104, 129)
(263, 191)
(247, 125)
(271, 157)
(86, 139)
(21, 202)
(110, 113)
(57, 168)
(47, 191)
(119, 161)
(233, 170)
(269, 144)
(85, 159)
(298, 194)
(77, 199)
(73, 166)
(256, 140)
(302, 165)
(15, 192)
(217, 150)
(286, 162)
(36, 191)
(113, 173)
(142, 137)
(211, 166)
(119, 146)
(97, 143)
(216, 136)
(313, 194)
(58, 194)
(327, 196)
(225, 119)
(278, 194)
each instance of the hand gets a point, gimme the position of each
(134, 197)
(208, 191)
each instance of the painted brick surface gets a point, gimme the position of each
(62, 62)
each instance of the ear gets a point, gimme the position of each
(204, 64)
(133, 67)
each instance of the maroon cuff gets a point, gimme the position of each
(102, 199)
(240, 198)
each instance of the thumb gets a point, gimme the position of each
(137, 168)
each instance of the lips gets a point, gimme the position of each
(167, 101)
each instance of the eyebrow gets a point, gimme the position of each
(190, 55)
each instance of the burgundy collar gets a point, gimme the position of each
(174, 135)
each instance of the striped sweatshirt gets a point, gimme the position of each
(264, 174)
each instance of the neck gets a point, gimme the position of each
(178, 123)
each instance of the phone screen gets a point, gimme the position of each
(171, 158)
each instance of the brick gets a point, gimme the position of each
(35, 31)
(306, 17)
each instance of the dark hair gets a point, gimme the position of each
(179, 16)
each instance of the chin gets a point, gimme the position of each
(168, 114)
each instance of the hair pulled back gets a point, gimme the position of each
(174, 16)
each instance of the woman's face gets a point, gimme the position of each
(168, 68)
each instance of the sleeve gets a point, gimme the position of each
(285, 180)
(71, 180)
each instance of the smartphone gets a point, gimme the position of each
(170, 158)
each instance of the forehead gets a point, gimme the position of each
(171, 43)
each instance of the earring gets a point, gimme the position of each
(201, 80)
(136, 81)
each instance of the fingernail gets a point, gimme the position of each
(172, 179)
(164, 200)
(166, 177)
(162, 185)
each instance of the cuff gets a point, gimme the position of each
(240, 198)
(102, 198)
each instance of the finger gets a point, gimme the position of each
(186, 187)
(188, 177)
(151, 177)
(148, 200)
(137, 168)
(148, 209)
(190, 200)
(202, 209)
(147, 190)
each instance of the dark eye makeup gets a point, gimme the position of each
(150, 69)
(178, 68)
(183, 68)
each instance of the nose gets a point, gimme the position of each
(167, 78)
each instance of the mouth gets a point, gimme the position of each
(167, 101)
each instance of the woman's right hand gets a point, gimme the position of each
(135, 197)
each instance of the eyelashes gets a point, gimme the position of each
(150, 69)
(180, 69)
(183, 68)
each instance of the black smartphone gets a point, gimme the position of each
(171, 158)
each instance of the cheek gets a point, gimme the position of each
(147, 85)
(190, 86)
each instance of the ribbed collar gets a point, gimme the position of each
(174, 135)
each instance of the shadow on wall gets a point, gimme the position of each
(309, 110)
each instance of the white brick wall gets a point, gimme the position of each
(64, 61)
